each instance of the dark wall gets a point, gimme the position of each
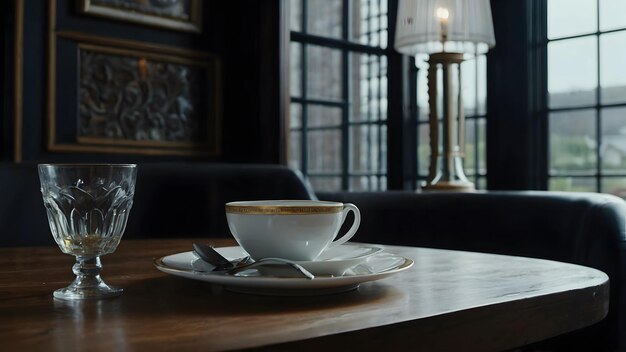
(243, 35)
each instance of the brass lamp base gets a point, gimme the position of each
(446, 159)
(449, 186)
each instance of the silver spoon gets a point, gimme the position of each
(211, 256)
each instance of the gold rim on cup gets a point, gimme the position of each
(283, 209)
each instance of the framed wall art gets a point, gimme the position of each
(112, 95)
(183, 15)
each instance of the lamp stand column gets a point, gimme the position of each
(446, 160)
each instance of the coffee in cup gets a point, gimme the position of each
(298, 230)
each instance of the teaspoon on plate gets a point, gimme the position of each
(213, 257)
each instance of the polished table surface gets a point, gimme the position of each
(448, 300)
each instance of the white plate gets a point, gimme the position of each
(377, 266)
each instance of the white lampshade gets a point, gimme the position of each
(422, 24)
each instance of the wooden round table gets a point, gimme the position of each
(447, 301)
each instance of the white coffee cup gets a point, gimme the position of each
(298, 230)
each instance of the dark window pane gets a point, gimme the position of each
(325, 183)
(295, 15)
(324, 17)
(613, 67)
(323, 73)
(481, 83)
(469, 163)
(360, 183)
(366, 148)
(613, 149)
(295, 116)
(572, 142)
(323, 116)
(383, 88)
(324, 153)
(295, 76)
(383, 149)
(614, 185)
(368, 87)
(475, 161)
(468, 78)
(369, 22)
(368, 183)
(295, 149)
(481, 144)
(572, 184)
(481, 183)
(572, 72)
(423, 149)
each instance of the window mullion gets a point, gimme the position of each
(598, 102)
(345, 113)
(304, 148)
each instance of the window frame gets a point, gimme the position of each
(397, 70)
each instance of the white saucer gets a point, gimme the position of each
(333, 261)
(336, 260)
(377, 266)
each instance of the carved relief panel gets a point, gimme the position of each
(136, 98)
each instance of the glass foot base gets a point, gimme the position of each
(88, 284)
(74, 293)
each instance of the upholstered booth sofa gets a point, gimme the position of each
(582, 228)
(187, 200)
(171, 199)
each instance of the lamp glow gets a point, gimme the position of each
(443, 14)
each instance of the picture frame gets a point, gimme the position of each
(155, 84)
(181, 15)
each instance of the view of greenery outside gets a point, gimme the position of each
(587, 95)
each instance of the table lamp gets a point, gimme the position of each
(447, 30)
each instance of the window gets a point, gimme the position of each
(339, 74)
(586, 81)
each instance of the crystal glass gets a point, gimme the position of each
(87, 206)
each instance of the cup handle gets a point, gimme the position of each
(347, 207)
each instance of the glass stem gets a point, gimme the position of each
(87, 271)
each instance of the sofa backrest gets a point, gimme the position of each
(171, 199)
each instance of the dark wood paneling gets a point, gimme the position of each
(507, 120)
(35, 21)
(7, 13)
(244, 35)
(251, 81)
(402, 133)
